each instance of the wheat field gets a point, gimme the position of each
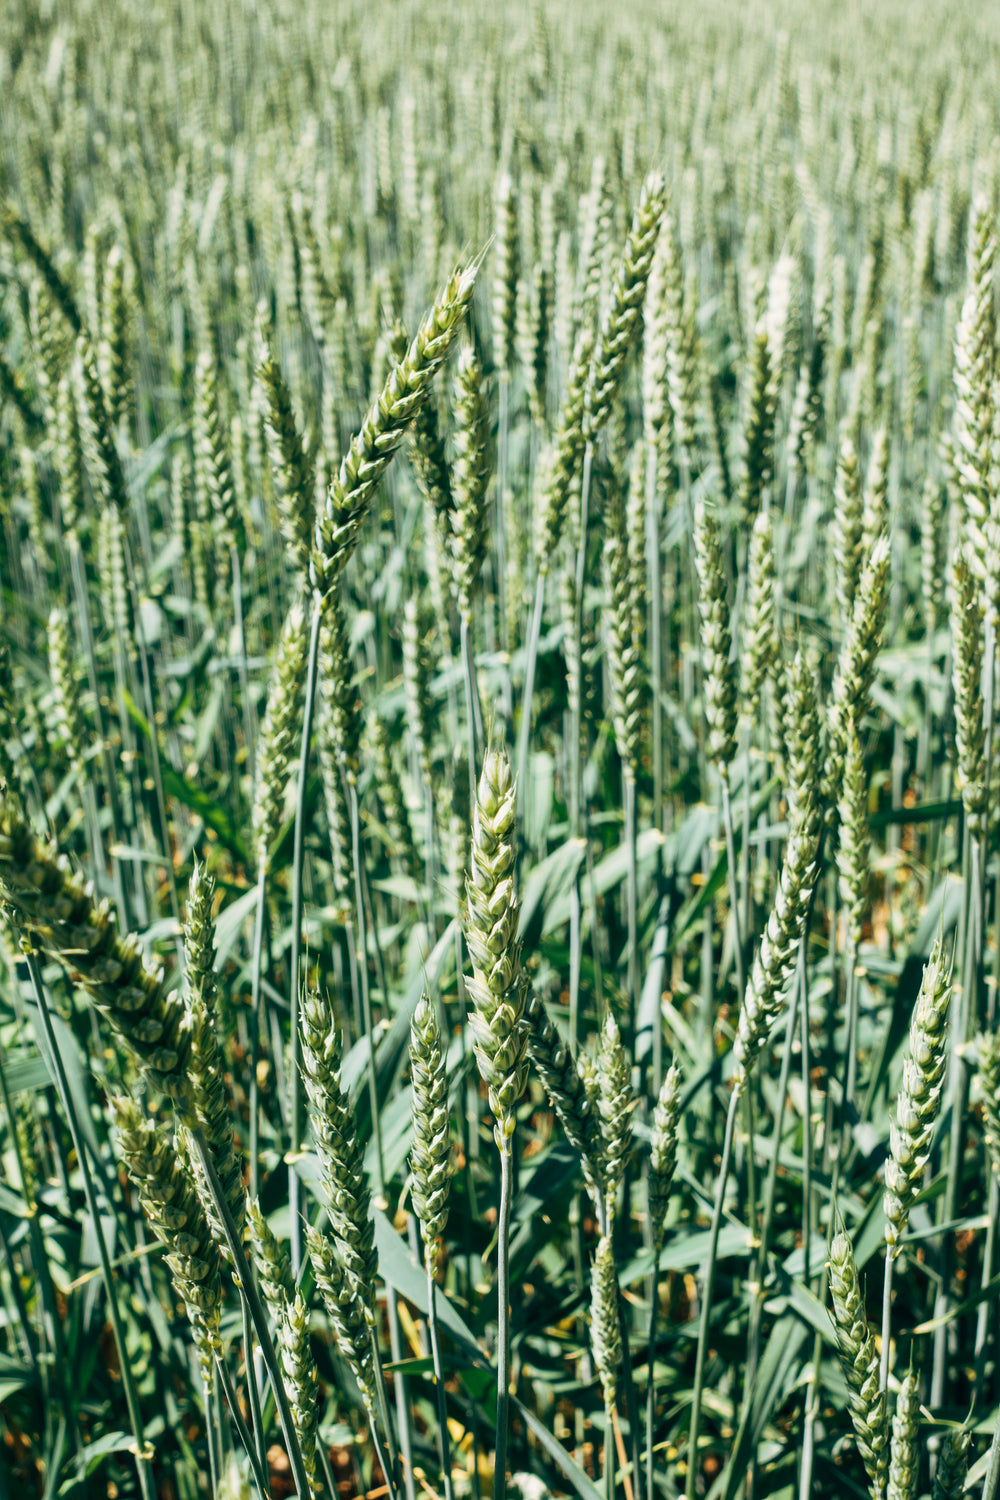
(499, 791)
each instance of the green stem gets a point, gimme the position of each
(255, 978)
(298, 859)
(890, 1261)
(654, 565)
(707, 1297)
(632, 894)
(241, 1428)
(211, 1422)
(609, 1452)
(253, 1390)
(361, 918)
(473, 705)
(770, 1186)
(55, 1061)
(654, 1306)
(734, 889)
(444, 1441)
(503, 1322)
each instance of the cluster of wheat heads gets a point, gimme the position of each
(498, 830)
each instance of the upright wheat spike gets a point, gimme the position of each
(716, 641)
(278, 734)
(904, 1461)
(952, 1465)
(210, 1111)
(430, 1160)
(859, 1357)
(340, 1151)
(498, 992)
(919, 1097)
(663, 1152)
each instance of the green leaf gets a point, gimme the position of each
(25, 1074)
(14, 1376)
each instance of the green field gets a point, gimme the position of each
(499, 766)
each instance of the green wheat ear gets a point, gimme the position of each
(860, 1360)
(56, 909)
(430, 1159)
(919, 1097)
(497, 988)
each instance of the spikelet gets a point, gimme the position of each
(209, 1109)
(775, 959)
(294, 1349)
(170, 1204)
(762, 651)
(338, 821)
(279, 732)
(17, 230)
(615, 1103)
(919, 1097)
(625, 311)
(114, 355)
(430, 1159)
(860, 1360)
(967, 671)
(531, 337)
(565, 1089)
(70, 724)
(340, 1151)
(605, 1331)
(623, 641)
(99, 448)
(427, 454)
(346, 1313)
(271, 1262)
(416, 680)
(758, 436)
(988, 1053)
(682, 342)
(952, 1465)
(390, 796)
(56, 909)
(655, 389)
(853, 840)
(69, 457)
(904, 1461)
(855, 670)
(504, 289)
(875, 504)
(213, 465)
(293, 469)
(974, 371)
(341, 716)
(371, 449)
(716, 642)
(847, 527)
(470, 478)
(663, 1152)
(563, 461)
(497, 988)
